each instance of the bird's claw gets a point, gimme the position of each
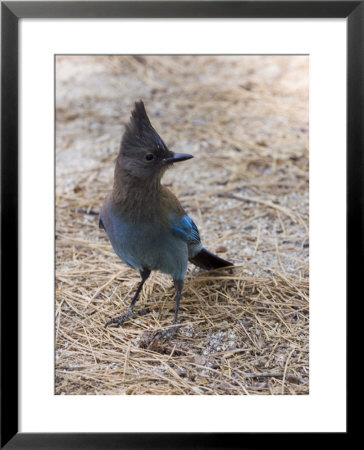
(166, 334)
(118, 320)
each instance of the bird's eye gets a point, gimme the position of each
(149, 156)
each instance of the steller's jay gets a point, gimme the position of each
(146, 224)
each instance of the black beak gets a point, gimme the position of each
(177, 157)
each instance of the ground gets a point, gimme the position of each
(245, 331)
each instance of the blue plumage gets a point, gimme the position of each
(186, 229)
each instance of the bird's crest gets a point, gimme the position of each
(139, 132)
(139, 117)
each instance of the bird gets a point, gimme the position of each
(146, 224)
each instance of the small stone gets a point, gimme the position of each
(200, 360)
(221, 249)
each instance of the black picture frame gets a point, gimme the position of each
(11, 12)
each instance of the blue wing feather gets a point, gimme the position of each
(186, 229)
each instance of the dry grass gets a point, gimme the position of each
(245, 118)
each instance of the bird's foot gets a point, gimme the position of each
(156, 340)
(167, 333)
(119, 320)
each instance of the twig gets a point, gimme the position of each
(285, 370)
(100, 289)
(258, 239)
(91, 212)
(259, 200)
(263, 374)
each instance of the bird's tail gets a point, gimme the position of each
(207, 260)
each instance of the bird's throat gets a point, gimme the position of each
(136, 196)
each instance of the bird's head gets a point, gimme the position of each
(143, 154)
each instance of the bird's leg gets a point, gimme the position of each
(144, 273)
(170, 332)
(178, 285)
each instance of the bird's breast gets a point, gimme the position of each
(145, 244)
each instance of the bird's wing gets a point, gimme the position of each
(185, 228)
